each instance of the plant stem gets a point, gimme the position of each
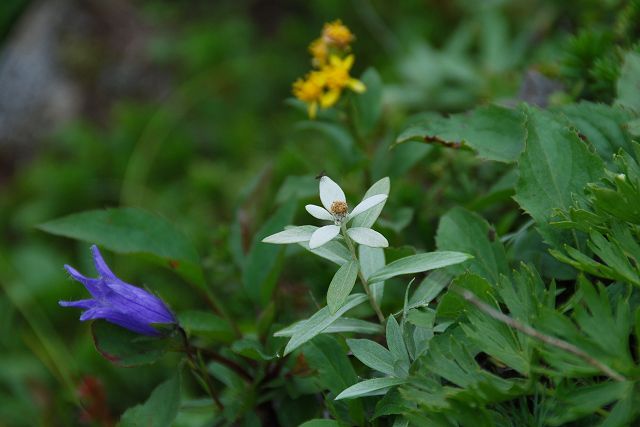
(547, 339)
(226, 362)
(363, 280)
(199, 371)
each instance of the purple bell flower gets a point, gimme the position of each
(118, 302)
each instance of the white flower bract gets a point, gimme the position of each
(335, 209)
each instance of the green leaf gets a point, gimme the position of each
(395, 342)
(603, 126)
(373, 387)
(291, 235)
(629, 82)
(206, 324)
(333, 251)
(452, 305)
(555, 167)
(341, 285)
(320, 321)
(126, 348)
(373, 355)
(132, 231)
(418, 263)
(496, 133)
(160, 409)
(252, 349)
(369, 217)
(368, 105)
(329, 358)
(586, 400)
(343, 324)
(464, 231)
(429, 289)
(263, 262)
(392, 403)
(371, 260)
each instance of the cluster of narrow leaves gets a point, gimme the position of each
(518, 338)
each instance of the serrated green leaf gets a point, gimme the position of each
(496, 133)
(629, 82)
(418, 263)
(555, 167)
(603, 126)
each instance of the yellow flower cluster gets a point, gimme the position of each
(332, 62)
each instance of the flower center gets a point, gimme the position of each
(339, 210)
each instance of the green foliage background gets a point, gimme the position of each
(213, 146)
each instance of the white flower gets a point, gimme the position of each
(335, 210)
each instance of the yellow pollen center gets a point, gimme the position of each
(339, 208)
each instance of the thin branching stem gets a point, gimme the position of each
(198, 370)
(528, 330)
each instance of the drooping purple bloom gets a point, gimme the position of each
(118, 302)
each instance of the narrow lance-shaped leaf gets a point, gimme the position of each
(320, 321)
(291, 235)
(333, 251)
(419, 263)
(372, 260)
(376, 386)
(341, 285)
(343, 324)
(373, 355)
(395, 342)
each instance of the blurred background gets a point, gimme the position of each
(183, 108)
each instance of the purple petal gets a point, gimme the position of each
(92, 285)
(118, 302)
(83, 303)
(139, 303)
(121, 319)
(101, 266)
